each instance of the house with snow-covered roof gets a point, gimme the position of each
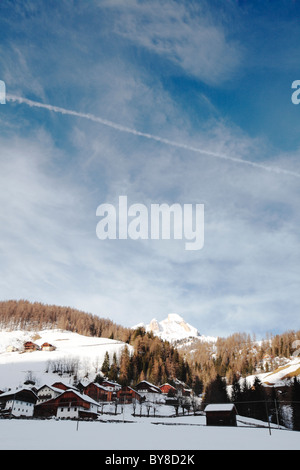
(98, 392)
(18, 403)
(46, 392)
(70, 404)
(127, 394)
(63, 386)
(150, 392)
(147, 387)
(168, 389)
(113, 386)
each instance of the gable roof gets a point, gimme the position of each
(23, 394)
(220, 407)
(149, 385)
(55, 389)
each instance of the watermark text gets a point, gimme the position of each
(159, 222)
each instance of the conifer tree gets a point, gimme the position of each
(258, 399)
(114, 370)
(105, 365)
(216, 391)
(124, 375)
(236, 393)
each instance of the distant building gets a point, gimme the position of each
(168, 389)
(128, 395)
(47, 347)
(147, 387)
(29, 346)
(109, 385)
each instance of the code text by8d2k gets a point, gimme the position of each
(161, 221)
(171, 459)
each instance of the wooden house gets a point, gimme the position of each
(47, 392)
(29, 346)
(127, 395)
(113, 386)
(63, 386)
(223, 414)
(47, 347)
(98, 392)
(18, 403)
(168, 389)
(147, 387)
(182, 389)
(68, 405)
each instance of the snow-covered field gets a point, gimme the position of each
(184, 433)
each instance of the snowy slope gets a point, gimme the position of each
(173, 328)
(280, 375)
(87, 353)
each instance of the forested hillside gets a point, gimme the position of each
(240, 355)
(28, 316)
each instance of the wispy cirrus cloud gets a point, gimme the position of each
(187, 35)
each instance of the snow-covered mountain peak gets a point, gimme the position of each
(173, 328)
(174, 317)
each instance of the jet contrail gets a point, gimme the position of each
(129, 130)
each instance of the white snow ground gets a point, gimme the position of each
(184, 433)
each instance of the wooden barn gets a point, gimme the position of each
(127, 395)
(223, 414)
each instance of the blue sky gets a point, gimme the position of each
(214, 76)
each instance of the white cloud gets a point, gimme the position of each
(183, 34)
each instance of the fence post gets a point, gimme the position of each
(268, 418)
